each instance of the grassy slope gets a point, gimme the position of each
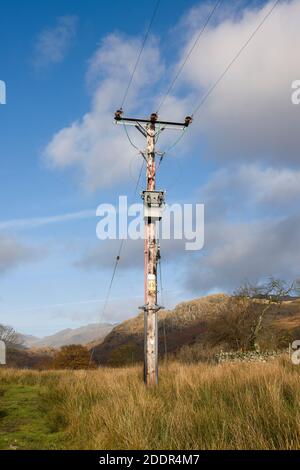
(229, 406)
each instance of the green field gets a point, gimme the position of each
(24, 420)
(228, 406)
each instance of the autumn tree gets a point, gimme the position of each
(73, 356)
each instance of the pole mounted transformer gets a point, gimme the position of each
(154, 202)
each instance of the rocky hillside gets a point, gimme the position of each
(193, 328)
(176, 328)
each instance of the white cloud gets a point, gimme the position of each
(94, 143)
(252, 228)
(249, 115)
(14, 253)
(236, 252)
(53, 43)
(40, 221)
(248, 122)
(241, 188)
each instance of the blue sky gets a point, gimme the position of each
(63, 60)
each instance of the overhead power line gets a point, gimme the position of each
(212, 88)
(139, 178)
(140, 53)
(115, 267)
(162, 303)
(180, 69)
(235, 58)
(108, 291)
(154, 205)
(129, 138)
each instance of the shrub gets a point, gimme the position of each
(73, 357)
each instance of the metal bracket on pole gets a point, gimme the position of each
(141, 129)
(155, 308)
(153, 119)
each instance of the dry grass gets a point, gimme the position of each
(228, 406)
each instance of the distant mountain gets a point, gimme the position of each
(83, 335)
(28, 340)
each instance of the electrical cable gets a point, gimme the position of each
(118, 258)
(180, 69)
(109, 291)
(139, 177)
(129, 139)
(235, 58)
(167, 151)
(210, 91)
(162, 303)
(160, 278)
(140, 53)
(213, 87)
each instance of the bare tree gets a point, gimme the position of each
(297, 286)
(10, 336)
(239, 322)
(272, 292)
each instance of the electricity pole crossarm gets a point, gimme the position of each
(119, 119)
(153, 208)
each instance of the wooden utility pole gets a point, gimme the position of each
(150, 275)
(153, 207)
